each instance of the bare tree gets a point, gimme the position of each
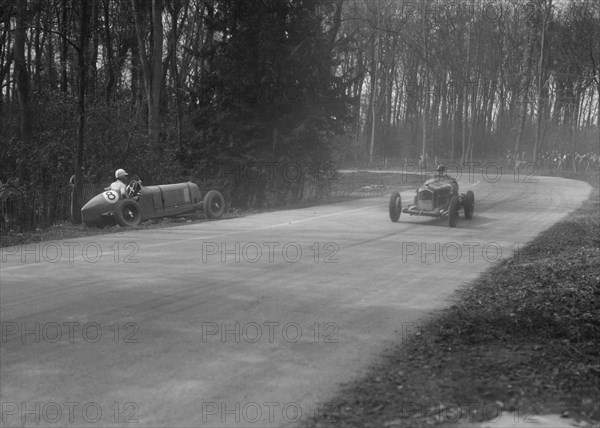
(81, 55)
(22, 80)
(151, 68)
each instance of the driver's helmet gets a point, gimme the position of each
(120, 173)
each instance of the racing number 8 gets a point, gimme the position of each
(111, 196)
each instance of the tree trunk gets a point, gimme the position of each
(6, 61)
(22, 82)
(424, 117)
(152, 74)
(49, 53)
(92, 79)
(156, 86)
(540, 112)
(374, 69)
(453, 137)
(465, 117)
(64, 47)
(208, 41)
(472, 129)
(37, 46)
(110, 70)
(143, 59)
(521, 128)
(373, 121)
(81, 55)
(445, 113)
(137, 80)
(527, 82)
(358, 88)
(574, 123)
(174, 69)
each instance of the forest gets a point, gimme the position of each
(171, 89)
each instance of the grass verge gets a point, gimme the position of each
(523, 337)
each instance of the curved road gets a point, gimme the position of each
(247, 322)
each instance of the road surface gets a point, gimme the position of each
(254, 321)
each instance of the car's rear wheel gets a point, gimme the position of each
(453, 211)
(214, 204)
(127, 213)
(469, 205)
(395, 207)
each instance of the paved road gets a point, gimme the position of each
(244, 322)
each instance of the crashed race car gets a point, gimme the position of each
(140, 203)
(437, 197)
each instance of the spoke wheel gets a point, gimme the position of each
(128, 213)
(214, 204)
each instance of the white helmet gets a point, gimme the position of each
(120, 173)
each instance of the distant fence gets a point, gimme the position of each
(29, 209)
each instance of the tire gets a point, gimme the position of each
(214, 204)
(469, 205)
(395, 207)
(453, 211)
(128, 213)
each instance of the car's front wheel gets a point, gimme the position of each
(395, 207)
(214, 204)
(127, 213)
(453, 211)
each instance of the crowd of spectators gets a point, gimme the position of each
(560, 161)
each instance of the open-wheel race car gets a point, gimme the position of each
(437, 197)
(140, 203)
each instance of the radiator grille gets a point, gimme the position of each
(425, 200)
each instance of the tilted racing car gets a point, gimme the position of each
(140, 203)
(437, 197)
